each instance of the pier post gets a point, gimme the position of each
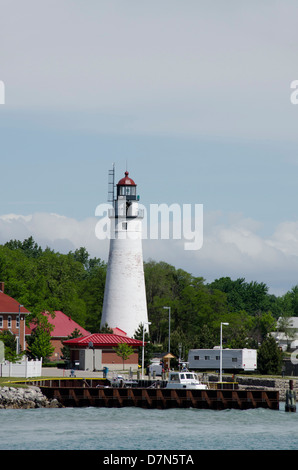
(290, 398)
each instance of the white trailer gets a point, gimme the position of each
(232, 359)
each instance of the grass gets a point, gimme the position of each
(9, 382)
(17, 381)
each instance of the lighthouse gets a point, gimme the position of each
(125, 304)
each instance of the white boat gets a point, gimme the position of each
(185, 379)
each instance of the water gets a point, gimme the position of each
(141, 429)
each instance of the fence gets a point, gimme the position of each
(21, 369)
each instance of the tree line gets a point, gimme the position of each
(45, 280)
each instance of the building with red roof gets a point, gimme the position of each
(12, 317)
(96, 351)
(64, 326)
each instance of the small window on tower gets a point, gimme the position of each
(124, 225)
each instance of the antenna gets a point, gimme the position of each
(111, 184)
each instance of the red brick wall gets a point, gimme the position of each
(110, 357)
(57, 344)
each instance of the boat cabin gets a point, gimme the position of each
(185, 379)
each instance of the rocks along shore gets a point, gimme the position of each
(25, 398)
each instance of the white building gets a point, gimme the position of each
(289, 336)
(125, 304)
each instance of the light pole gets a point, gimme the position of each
(220, 365)
(143, 347)
(169, 308)
(19, 338)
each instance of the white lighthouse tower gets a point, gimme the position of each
(124, 304)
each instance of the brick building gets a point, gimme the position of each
(96, 351)
(12, 317)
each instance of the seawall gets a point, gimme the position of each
(255, 383)
(32, 396)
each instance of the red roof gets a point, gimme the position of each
(63, 325)
(10, 305)
(103, 339)
(126, 181)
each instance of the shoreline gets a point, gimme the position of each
(25, 398)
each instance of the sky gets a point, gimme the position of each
(193, 98)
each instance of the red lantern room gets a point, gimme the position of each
(127, 187)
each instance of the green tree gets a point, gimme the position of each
(263, 324)
(106, 329)
(241, 295)
(180, 344)
(269, 357)
(290, 303)
(39, 344)
(200, 305)
(149, 347)
(205, 338)
(124, 350)
(237, 333)
(285, 326)
(61, 276)
(10, 346)
(29, 247)
(82, 256)
(91, 292)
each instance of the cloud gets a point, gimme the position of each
(232, 246)
(285, 238)
(60, 233)
(237, 249)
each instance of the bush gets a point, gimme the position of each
(269, 357)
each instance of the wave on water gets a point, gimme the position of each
(142, 429)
